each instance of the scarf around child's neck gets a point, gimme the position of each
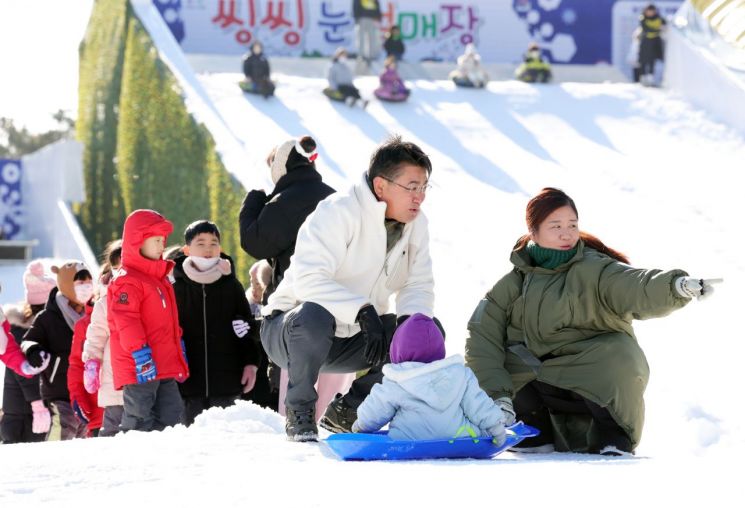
(70, 315)
(205, 273)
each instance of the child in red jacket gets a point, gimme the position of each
(146, 349)
(85, 404)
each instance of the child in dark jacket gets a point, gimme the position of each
(256, 71)
(146, 348)
(220, 332)
(51, 333)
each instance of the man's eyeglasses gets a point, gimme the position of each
(413, 189)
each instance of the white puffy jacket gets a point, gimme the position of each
(340, 262)
(97, 346)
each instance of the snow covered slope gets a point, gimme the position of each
(651, 176)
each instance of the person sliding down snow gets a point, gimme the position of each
(341, 81)
(391, 87)
(469, 72)
(427, 396)
(534, 68)
(256, 70)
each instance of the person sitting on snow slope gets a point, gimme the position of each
(427, 396)
(554, 336)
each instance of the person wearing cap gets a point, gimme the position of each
(269, 224)
(331, 313)
(427, 396)
(26, 418)
(147, 351)
(51, 334)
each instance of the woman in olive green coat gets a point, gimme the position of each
(554, 335)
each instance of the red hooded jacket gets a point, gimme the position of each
(142, 305)
(88, 402)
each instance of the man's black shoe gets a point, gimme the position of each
(339, 416)
(301, 425)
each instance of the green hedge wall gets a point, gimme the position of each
(101, 62)
(162, 159)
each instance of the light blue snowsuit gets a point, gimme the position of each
(428, 401)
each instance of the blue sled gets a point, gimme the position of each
(379, 446)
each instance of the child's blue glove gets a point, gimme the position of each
(79, 412)
(144, 365)
(183, 352)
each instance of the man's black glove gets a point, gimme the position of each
(376, 347)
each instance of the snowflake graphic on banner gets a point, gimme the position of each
(11, 214)
(568, 30)
(171, 12)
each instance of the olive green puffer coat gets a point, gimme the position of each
(576, 321)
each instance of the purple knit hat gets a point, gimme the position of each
(418, 339)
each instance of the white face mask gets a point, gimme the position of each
(84, 292)
(342, 59)
(204, 264)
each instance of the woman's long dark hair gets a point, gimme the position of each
(543, 205)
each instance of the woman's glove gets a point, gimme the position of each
(690, 287)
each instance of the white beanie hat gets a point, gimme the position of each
(291, 155)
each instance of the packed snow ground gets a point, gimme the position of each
(651, 175)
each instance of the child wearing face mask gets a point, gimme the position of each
(220, 332)
(84, 404)
(51, 334)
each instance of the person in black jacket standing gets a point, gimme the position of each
(269, 224)
(256, 70)
(394, 44)
(220, 333)
(650, 46)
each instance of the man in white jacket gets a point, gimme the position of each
(330, 312)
